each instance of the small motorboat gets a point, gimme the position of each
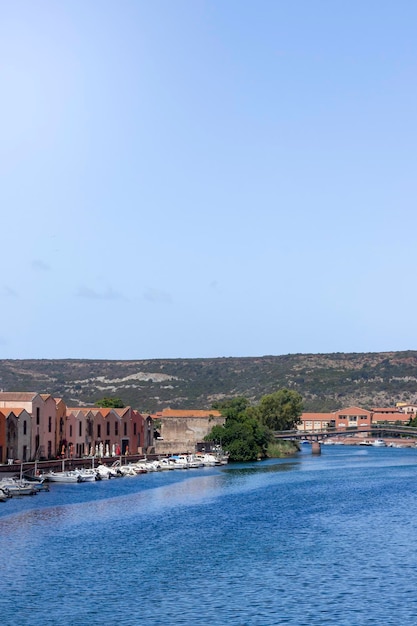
(379, 443)
(63, 477)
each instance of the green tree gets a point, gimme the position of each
(242, 435)
(233, 407)
(280, 410)
(413, 422)
(110, 403)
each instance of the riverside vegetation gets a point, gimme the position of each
(247, 434)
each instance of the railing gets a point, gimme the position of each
(346, 431)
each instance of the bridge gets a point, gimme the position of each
(317, 436)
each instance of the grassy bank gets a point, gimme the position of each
(280, 449)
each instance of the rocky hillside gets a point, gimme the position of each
(326, 381)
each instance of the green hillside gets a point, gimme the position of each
(325, 381)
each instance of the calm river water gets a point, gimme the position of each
(305, 541)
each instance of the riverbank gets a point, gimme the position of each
(282, 449)
(392, 442)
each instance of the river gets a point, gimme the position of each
(304, 541)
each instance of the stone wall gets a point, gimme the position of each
(180, 434)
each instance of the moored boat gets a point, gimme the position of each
(17, 487)
(379, 443)
(62, 477)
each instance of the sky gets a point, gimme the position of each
(207, 178)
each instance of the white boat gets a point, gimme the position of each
(179, 461)
(17, 487)
(108, 472)
(166, 464)
(4, 495)
(210, 460)
(379, 443)
(87, 475)
(63, 477)
(195, 461)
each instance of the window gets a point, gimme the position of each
(49, 424)
(37, 416)
(24, 427)
(108, 429)
(125, 429)
(71, 430)
(80, 429)
(116, 428)
(134, 428)
(98, 431)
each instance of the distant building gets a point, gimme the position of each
(344, 418)
(385, 417)
(181, 430)
(351, 417)
(314, 421)
(407, 408)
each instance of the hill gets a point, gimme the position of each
(325, 381)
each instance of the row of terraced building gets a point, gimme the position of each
(39, 426)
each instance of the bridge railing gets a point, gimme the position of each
(347, 430)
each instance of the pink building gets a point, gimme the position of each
(3, 443)
(42, 408)
(136, 431)
(18, 433)
(123, 430)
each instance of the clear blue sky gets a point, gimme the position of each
(202, 178)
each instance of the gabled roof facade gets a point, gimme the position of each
(352, 410)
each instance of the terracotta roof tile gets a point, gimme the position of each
(18, 396)
(317, 416)
(188, 413)
(352, 410)
(16, 410)
(391, 417)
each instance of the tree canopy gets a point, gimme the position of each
(280, 410)
(110, 403)
(243, 436)
(248, 429)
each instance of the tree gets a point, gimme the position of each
(280, 410)
(242, 435)
(233, 407)
(110, 403)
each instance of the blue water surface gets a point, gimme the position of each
(302, 541)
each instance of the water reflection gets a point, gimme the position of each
(260, 468)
